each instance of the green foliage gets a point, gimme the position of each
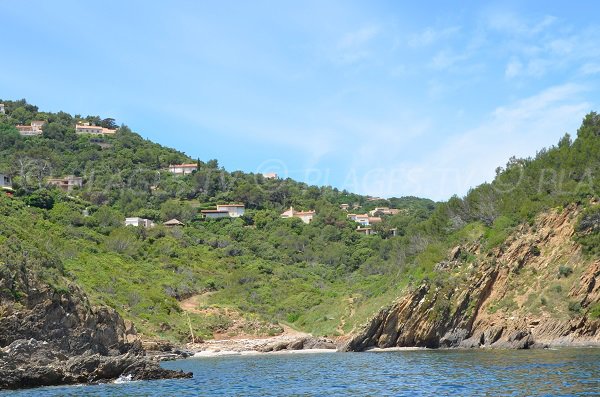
(264, 266)
(594, 311)
(564, 271)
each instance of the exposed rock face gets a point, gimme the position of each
(50, 338)
(511, 297)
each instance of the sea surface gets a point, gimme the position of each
(562, 372)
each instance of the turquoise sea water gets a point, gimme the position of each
(562, 372)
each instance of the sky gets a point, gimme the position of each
(385, 98)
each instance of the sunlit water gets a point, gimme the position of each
(563, 372)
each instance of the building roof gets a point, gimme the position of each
(292, 212)
(214, 212)
(184, 165)
(173, 222)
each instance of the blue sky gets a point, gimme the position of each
(381, 98)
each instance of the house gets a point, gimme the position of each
(270, 175)
(2, 111)
(345, 207)
(384, 211)
(139, 222)
(367, 231)
(183, 169)
(305, 216)
(35, 128)
(364, 219)
(214, 214)
(5, 181)
(225, 211)
(68, 183)
(87, 128)
(173, 222)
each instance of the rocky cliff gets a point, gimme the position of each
(535, 289)
(50, 337)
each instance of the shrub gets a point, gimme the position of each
(594, 312)
(574, 307)
(564, 271)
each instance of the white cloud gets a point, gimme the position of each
(431, 35)
(513, 69)
(521, 128)
(445, 59)
(354, 46)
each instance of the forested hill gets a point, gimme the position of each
(259, 267)
(249, 274)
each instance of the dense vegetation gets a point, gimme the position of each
(323, 277)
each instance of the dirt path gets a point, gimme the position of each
(191, 304)
(350, 313)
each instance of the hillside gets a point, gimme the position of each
(246, 275)
(458, 267)
(523, 270)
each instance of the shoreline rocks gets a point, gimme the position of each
(49, 338)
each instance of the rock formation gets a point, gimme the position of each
(512, 296)
(50, 337)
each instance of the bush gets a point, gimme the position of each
(564, 271)
(574, 307)
(594, 312)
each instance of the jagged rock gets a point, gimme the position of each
(301, 343)
(31, 363)
(54, 338)
(478, 309)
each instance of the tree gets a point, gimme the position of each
(40, 199)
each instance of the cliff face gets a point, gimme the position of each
(50, 338)
(535, 289)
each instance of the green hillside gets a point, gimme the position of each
(323, 277)
(270, 269)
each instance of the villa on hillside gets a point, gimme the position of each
(345, 207)
(173, 222)
(5, 181)
(305, 216)
(183, 169)
(384, 211)
(87, 128)
(2, 111)
(35, 128)
(270, 175)
(139, 222)
(364, 219)
(67, 183)
(225, 211)
(368, 231)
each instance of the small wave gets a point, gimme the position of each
(123, 379)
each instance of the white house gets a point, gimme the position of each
(139, 222)
(5, 181)
(86, 128)
(305, 216)
(364, 219)
(182, 169)
(2, 111)
(234, 210)
(225, 211)
(367, 231)
(214, 214)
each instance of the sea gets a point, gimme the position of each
(549, 372)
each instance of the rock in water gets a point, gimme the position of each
(49, 338)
